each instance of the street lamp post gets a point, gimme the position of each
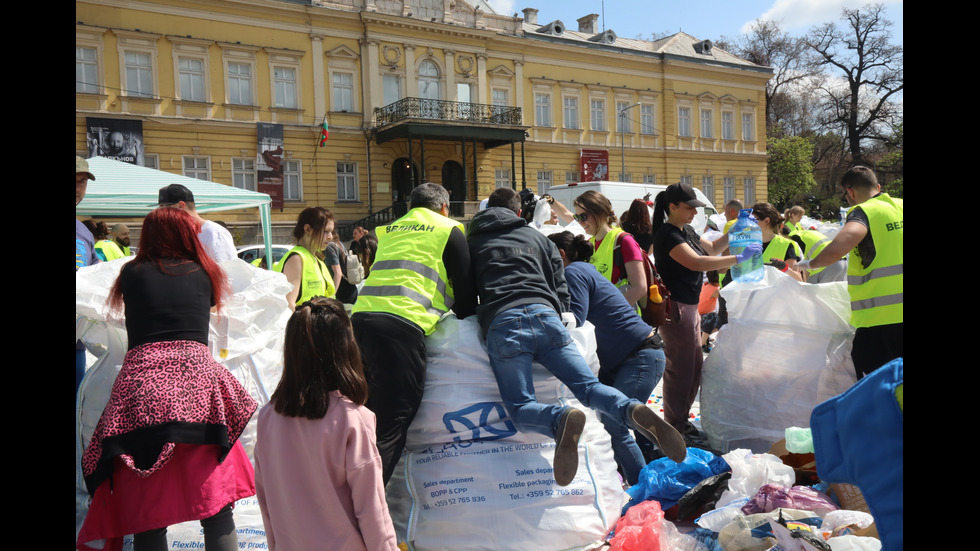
(622, 137)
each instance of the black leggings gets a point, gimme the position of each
(219, 534)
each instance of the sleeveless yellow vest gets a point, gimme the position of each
(777, 248)
(877, 291)
(815, 242)
(110, 250)
(316, 280)
(408, 277)
(603, 257)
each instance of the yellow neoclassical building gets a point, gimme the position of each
(236, 91)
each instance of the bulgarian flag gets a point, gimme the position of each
(324, 132)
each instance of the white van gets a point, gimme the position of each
(621, 195)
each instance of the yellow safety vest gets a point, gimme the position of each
(603, 259)
(316, 281)
(110, 250)
(877, 291)
(815, 242)
(777, 248)
(408, 277)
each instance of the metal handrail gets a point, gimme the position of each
(443, 110)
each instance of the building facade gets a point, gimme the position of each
(447, 91)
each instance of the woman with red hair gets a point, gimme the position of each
(166, 448)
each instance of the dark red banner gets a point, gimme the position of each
(269, 163)
(594, 165)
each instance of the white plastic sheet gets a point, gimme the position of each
(785, 349)
(469, 480)
(247, 338)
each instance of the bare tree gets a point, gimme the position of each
(863, 106)
(788, 102)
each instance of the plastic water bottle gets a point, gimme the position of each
(744, 232)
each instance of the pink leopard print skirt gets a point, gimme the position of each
(166, 393)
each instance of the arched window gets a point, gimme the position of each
(429, 85)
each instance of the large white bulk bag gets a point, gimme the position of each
(785, 349)
(468, 480)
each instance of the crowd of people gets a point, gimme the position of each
(354, 374)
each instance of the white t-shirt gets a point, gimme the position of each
(218, 241)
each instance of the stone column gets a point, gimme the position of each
(319, 77)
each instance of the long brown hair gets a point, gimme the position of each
(168, 234)
(367, 248)
(320, 356)
(317, 218)
(636, 220)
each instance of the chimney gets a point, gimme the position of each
(530, 16)
(587, 24)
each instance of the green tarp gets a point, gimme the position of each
(125, 190)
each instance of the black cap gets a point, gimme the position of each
(174, 193)
(682, 192)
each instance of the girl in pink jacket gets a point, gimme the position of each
(317, 468)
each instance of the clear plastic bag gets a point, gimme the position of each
(752, 471)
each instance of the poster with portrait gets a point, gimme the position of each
(269, 163)
(593, 165)
(116, 139)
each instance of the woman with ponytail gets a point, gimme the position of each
(682, 257)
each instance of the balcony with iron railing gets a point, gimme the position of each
(446, 111)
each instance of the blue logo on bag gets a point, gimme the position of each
(475, 418)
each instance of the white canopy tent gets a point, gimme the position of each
(124, 189)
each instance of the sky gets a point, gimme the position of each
(704, 19)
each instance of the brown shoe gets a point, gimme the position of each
(566, 452)
(655, 429)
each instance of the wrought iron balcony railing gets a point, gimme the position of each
(442, 110)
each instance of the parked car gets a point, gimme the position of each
(248, 253)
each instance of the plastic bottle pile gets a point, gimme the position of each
(742, 501)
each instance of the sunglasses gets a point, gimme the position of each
(581, 217)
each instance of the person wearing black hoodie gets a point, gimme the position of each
(522, 289)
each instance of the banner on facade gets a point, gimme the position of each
(269, 163)
(116, 139)
(594, 165)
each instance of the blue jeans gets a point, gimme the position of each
(519, 336)
(636, 377)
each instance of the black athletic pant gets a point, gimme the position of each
(875, 346)
(393, 352)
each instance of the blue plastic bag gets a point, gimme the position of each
(666, 481)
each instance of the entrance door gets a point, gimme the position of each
(453, 179)
(402, 184)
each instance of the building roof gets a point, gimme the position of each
(679, 45)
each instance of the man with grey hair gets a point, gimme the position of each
(731, 212)
(421, 271)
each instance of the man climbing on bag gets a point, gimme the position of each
(521, 284)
